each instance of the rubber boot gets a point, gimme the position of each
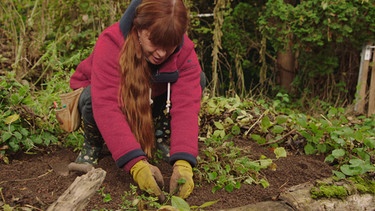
(93, 142)
(92, 145)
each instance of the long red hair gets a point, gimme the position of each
(167, 21)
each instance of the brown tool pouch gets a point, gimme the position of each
(68, 115)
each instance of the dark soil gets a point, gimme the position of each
(37, 180)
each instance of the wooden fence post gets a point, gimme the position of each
(363, 88)
(371, 98)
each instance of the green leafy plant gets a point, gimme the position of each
(132, 200)
(352, 148)
(106, 196)
(223, 163)
(347, 141)
(20, 126)
(181, 205)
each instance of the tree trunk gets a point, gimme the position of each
(286, 67)
(286, 62)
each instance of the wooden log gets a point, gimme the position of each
(77, 196)
(81, 167)
(263, 206)
(299, 198)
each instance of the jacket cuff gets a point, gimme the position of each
(131, 163)
(183, 156)
(129, 159)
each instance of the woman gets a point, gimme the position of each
(143, 58)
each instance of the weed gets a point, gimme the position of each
(106, 196)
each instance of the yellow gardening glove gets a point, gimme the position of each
(148, 178)
(182, 179)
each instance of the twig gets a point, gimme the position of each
(285, 183)
(28, 179)
(330, 123)
(256, 122)
(279, 139)
(33, 208)
(2, 195)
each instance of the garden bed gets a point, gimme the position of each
(37, 180)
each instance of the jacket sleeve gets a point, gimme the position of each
(185, 99)
(82, 76)
(105, 81)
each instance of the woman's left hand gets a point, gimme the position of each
(182, 179)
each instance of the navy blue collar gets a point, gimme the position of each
(126, 21)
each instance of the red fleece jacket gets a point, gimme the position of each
(101, 71)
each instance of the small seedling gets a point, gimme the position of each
(106, 196)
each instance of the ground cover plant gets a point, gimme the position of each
(253, 132)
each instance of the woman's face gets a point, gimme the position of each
(153, 53)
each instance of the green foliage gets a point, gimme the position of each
(106, 196)
(240, 43)
(316, 23)
(45, 42)
(132, 200)
(181, 205)
(351, 147)
(27, 116)
(48, 41)
(347, 141)
(21, 128)
(223, 163)
(321, 33)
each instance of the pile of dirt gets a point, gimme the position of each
(37, 180)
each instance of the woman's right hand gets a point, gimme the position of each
(148, 178)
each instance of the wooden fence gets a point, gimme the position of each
(365, 98)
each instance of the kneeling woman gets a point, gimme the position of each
(146, 57)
